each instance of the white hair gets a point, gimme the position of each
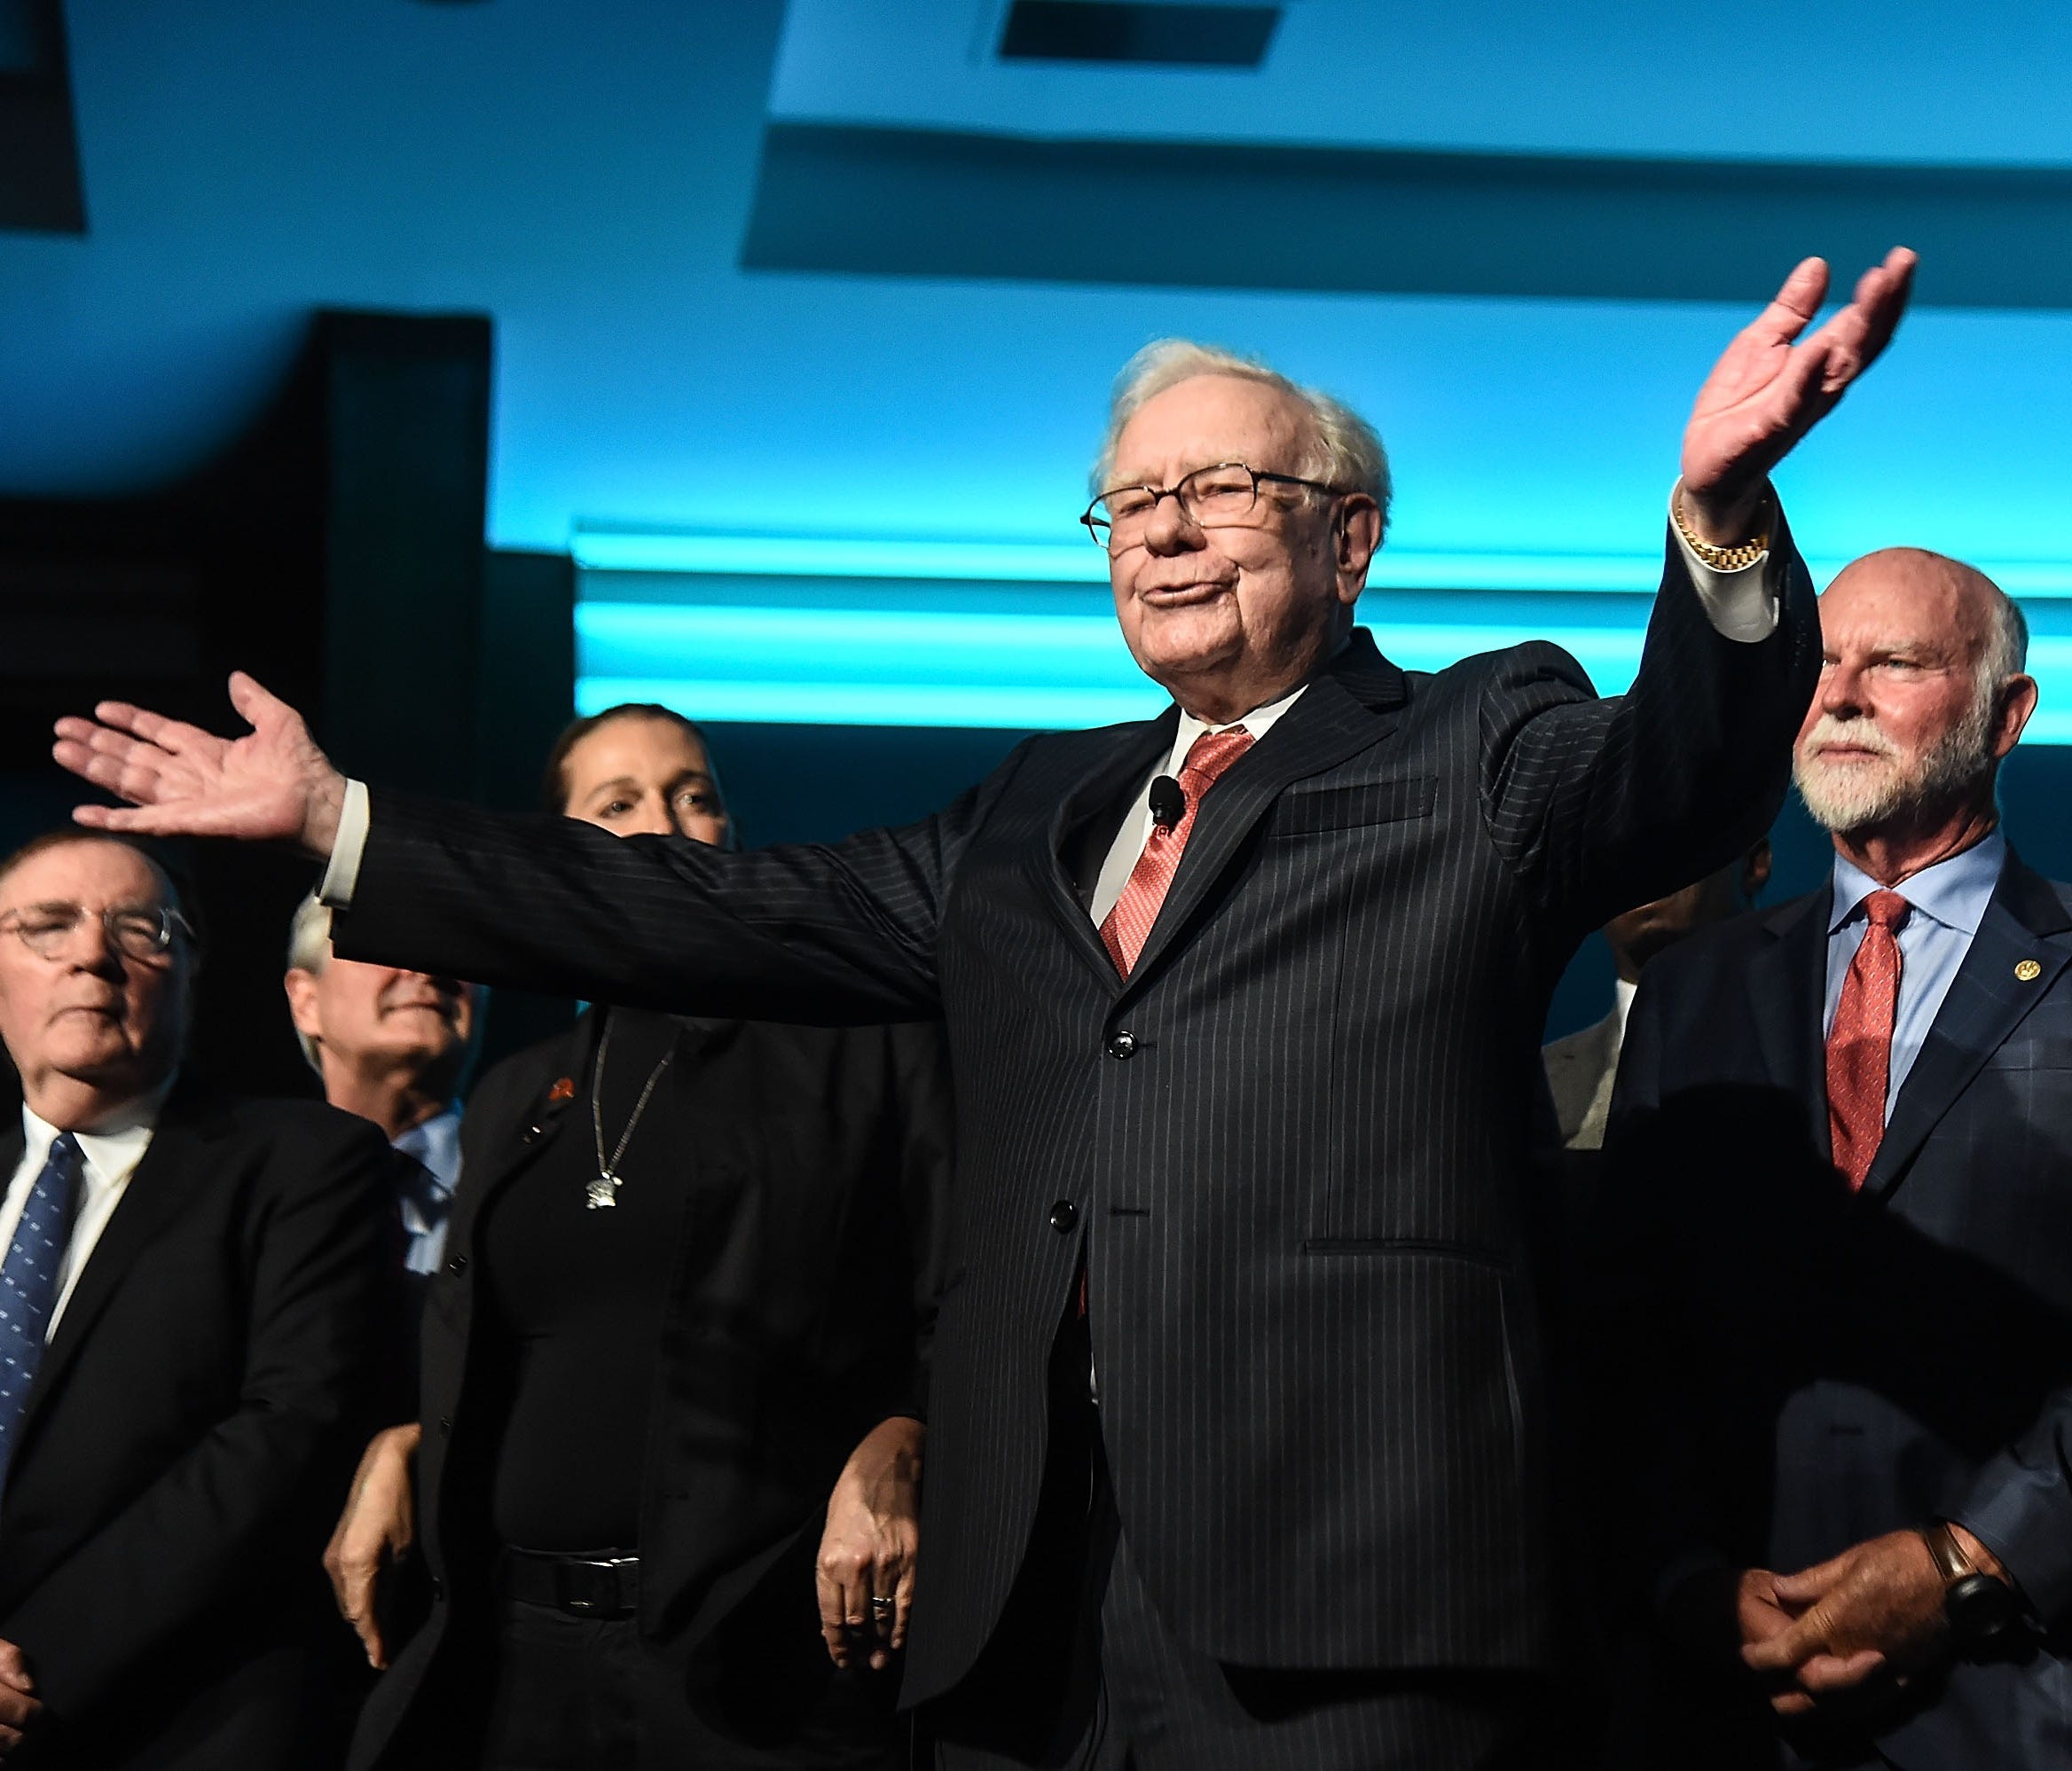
(309, 950)
(1344, 453)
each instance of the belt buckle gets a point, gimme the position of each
(586, 1589)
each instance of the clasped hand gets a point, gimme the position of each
(1833, 1629)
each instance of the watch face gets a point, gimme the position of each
(1980, 1607)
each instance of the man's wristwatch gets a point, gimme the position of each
(1980, 1607)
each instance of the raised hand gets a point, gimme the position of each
(272, 785)
(1767, 391)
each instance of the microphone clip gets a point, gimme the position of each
(1168, 802)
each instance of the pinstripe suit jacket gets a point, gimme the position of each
(1291, 1148)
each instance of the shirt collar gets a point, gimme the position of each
(115, 1146)
(436, 1143)
(1258, 722)
(1954, 893)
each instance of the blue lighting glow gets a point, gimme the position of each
(966, 634)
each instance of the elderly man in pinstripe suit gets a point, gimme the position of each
(1244, 1005)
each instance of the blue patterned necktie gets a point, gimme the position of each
(28, 1284)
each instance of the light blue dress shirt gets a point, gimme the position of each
(1949, 899)
(437, 1146)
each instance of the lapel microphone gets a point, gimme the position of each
(1168, 802)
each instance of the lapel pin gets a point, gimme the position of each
(2028, 970)
(564, 1088)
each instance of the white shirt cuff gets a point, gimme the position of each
(1740, 605)
(342, 873)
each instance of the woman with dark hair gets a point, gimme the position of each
(672, 1376)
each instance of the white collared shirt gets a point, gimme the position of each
(111, 1152)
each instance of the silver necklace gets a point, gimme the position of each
(605, 1189)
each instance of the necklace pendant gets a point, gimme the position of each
(600, 1193)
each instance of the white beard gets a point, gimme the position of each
(1844, 797)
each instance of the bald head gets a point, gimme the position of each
(1921, 692)
(1969, 604)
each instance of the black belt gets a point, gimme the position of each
(582, 1585)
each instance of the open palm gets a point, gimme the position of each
(1771, 387)
(271, 785)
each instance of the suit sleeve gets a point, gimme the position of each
(259, 1491)
(926, 1130)
(840, 935)
(2021, 1509)
(1598, 805)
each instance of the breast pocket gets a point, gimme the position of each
(1312, 811)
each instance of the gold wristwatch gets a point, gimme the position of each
(1720, 559)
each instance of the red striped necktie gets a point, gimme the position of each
(1128, 926)
(1859, 1045)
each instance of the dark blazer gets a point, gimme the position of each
(192, 1432)
(1293, 1149)
(798, 1319)
(1816, 1368)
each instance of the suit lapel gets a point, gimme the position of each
(185, 1155)
(1342, 712)
(527, 1138)
(1786, 985)
(1077, 819)
(2024, 923)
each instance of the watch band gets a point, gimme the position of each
(1720, 559)
(1951, 1563)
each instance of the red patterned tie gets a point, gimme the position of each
(1859, 1045)
(1128, 926)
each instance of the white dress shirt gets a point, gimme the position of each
(111, 1152)
(1740, 605)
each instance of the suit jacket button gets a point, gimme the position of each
(534, 1133)
(1122, 1045)
(1063, 1215)
(438, 1590)
(445, 1425)
(457, 1265)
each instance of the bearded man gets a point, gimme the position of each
(1841, 1168)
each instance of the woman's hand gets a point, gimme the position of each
(864, 1574)
(375, 1531)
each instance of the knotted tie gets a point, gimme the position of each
(1128, 926)
(1859, 1045)
(28, 1284)
(426, 1205)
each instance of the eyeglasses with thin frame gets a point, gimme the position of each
(1217, 497)
(138, 931)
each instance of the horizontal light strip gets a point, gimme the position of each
(743, 641)
(703, 553)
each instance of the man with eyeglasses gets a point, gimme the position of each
(191, 1320)
(1239, 1423)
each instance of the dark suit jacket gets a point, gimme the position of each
(1816, 1368)
(798, 1319)
(1292, 1149)
(192, 1428)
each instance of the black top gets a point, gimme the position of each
(802, 1184)
(575, 1298)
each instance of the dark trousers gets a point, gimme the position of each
(582, 1693)
(564, 1696)
(1084, 1674)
